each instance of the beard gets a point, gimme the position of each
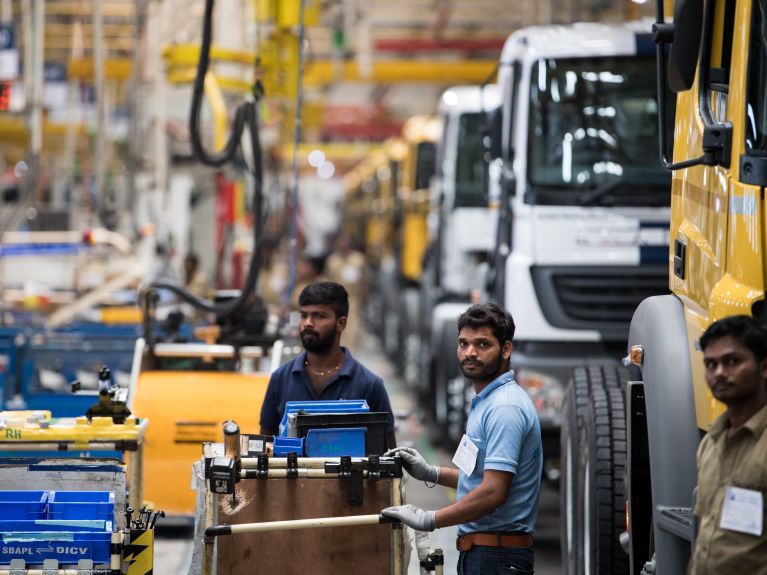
(479, 371)
(315, 342)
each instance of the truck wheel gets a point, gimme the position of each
(571, 536)
(445, 369)
(407, 339)
(601, 465)
(457, 403)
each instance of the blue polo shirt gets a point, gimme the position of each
(504, 426)
(291, 382)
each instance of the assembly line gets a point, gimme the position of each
(422, 286)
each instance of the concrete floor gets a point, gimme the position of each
(173, 547)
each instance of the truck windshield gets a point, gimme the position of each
(426, 164)
(593, 135)
(471, 167)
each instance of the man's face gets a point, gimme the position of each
(733, 373)
(480, 354)
(318, 327)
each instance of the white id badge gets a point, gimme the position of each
(465, 457)
(742, 511)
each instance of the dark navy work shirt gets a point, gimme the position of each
(291, 382)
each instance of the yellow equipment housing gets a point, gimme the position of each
(717, 64)
(420, 134)
(188, 405)
(715, 213)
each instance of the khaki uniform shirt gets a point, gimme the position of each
(737, 461)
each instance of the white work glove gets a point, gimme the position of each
(413, 516)
(415, 464)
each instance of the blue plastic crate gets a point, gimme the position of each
(81, 505)
(36, 541)
(284, 445)
(335, 442)
(334, 406)
(23, 505)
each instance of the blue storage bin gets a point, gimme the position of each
(335, 406)
(335, 442)
(81, 505)
(284, 445)
(36, 541)
(21, 505)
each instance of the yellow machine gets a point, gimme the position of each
(660, 406)
(189, 391)
(420, 134)
(28, 438)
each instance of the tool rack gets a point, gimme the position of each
(266, 519)
(27, 440)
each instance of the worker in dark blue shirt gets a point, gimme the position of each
(325, 371)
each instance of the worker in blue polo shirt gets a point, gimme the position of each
(498, 461)
(326, 370)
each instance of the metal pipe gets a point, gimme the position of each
(351, 521)
(60, 446)
(100, 152)
(202, 349)
(305, 462)
(283, 474)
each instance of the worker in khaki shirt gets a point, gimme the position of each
(732, 457)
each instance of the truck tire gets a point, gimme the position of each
(407, 355)
(457, 408)
(574, 404)
(445, 369)
(601, 466)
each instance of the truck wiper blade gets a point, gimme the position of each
(592, 197)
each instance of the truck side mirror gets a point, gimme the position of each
(683, 38)
(685, 44)
(491, 137)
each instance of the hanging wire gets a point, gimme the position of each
(246, 115)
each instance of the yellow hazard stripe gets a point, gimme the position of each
(139, 553)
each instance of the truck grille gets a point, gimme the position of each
(599, 298)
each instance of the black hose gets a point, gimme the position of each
(246, 116)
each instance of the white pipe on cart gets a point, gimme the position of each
(350, 521)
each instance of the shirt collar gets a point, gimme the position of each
(502, 379)
(755, 424)
(347, 367)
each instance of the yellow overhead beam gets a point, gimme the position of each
(114, 68)
(227, 84)
(323, 72)
(185, 55)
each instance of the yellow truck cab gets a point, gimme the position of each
(631, 482)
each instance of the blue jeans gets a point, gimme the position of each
(480, 560)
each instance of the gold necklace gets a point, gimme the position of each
(319, 372)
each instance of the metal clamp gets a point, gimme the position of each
(50, 567)
(292, 471)
(374, 468)
(262, 466)
(347, 472)
(345, 469)
(18, 567)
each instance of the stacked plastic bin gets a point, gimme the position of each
(62, 525)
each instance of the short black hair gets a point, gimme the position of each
(748, 330)
(326, 293)
(489, 315)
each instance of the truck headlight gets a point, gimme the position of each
(546, 392)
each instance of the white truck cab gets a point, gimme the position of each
(581, 235)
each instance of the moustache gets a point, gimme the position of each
(309, 332)
(470, 362)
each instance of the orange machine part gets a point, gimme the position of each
(185, 410)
